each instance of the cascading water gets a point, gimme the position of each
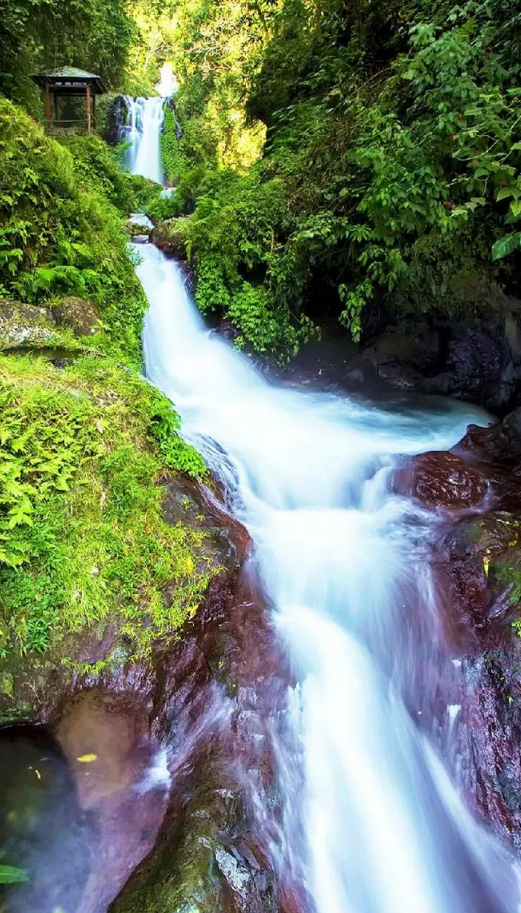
(379, 827)
(146, 119)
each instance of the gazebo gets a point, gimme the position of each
(69, 83)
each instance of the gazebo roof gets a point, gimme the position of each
(69, 77)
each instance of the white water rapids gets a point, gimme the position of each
(379, 826)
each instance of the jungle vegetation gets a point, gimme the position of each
(329, 159)
(338, 158)
(85, 443)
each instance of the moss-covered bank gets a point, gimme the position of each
(92, 568)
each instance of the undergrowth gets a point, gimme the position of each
(82, 533)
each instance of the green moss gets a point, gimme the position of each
(61, 229)
(82, 532)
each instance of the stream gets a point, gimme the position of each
(373, 820)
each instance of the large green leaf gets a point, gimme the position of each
(506, 245)
(11, 875)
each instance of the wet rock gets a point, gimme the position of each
(226, 330)
(168, 236)
(118, 117)
(139, 224)
(477, 360)
(140, 239)
(196, 502)
(440, 479)
(488, 738)
(77, 315)
(189, 276)
(225, 690)
(477, 556)
(120, 783)
(500, 443)
(496, 452)
(401, 355)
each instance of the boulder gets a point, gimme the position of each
(227, 688)
(403, 353)
(139, 224)
(441, 479)
(478, 557)
(25, 325)
(169, 237)
(500, 443)
(487, 738)
(478, 360)
(115, 714)
(77, 315)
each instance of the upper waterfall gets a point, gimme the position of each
(147, 116)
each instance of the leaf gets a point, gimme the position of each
(506, 245)
(515, 208)
(11, 875)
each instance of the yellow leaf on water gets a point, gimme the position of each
(87, 758)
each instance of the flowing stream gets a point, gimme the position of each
(374, 822)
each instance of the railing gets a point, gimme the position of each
(70, 127)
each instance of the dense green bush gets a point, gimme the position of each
(83, 447)
(82, 534)
(234, 238)
(394, 143)
(59, 232)
(36, 35)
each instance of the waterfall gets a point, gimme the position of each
(144, 132)
(377, 826)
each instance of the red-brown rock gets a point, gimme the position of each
(440, 479)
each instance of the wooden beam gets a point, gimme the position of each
(87, 93)
(48, 104)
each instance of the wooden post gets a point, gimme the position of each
(94, 110)
(88, 108)
(56, 118)
(48, 104)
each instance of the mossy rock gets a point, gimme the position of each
(169, 237)
(92, 572)
(25, 325)
(80, 317)
(485, 568)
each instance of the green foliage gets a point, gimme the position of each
(9, 874)
(94, 35)
(233, 238)
(97, 168)
(394, 140)
(154, 27)
(59, 230)
(82, 532)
